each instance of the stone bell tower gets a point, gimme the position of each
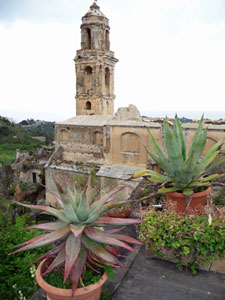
(95, 65)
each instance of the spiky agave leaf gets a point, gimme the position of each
(209, 156)
(27, 242)
(100, 251)
(48, 210)
(83, 210)
(161, 160)
(68, 203)
(77, 269)
(77, 230)
(116, 221)
(57, 261)
(88, 191)
(173, 150)
(103, 238)
(46, 239)
(214, 165)
(106, 198)
(46, 226)
(198, 133)
(73, 246)
(178, 132)
(99, 207)
(50, 253)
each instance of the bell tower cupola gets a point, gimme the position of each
(95, 65)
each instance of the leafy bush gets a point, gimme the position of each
(189, 237)
(219, 199)
(15, 270)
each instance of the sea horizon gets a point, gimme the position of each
(194, 115)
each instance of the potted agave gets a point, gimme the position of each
(80, 239)
(184, 180)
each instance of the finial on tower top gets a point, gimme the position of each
(94, 5)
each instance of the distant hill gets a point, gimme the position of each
(15, 136)
(185, 120)
(39, 128)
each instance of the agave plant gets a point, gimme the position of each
(183, 170)
(79, 236)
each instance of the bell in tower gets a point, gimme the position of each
(95, 65)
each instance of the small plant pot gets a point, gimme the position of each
(125, 214)
(176, 203)
(91, 292)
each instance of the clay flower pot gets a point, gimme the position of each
(91, 292)
(125, 214)
(175, 202)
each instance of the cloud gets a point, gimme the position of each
(37, 70)
(171, 55)
(40, 11)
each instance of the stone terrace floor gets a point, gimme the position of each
(154, 279)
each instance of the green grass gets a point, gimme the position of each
(8, 150)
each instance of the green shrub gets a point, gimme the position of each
(14, 269)
(219, 199)
(105, 295)
(16, 275)
(12, 189)
(191, 237)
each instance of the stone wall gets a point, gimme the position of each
(66, 176)
(127, 141)
(80, 143)
(78, 176)
(5, 179)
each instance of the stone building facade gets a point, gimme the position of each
(114, 144)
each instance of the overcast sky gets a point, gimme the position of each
(171, 56)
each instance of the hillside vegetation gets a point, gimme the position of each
(14, 136)
(39, 128)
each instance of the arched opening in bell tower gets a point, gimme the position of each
(88, 70)
(88, 30)
(107, 40)
(107, 81)
(88, 80)
(88, 105)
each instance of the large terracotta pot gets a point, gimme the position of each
(91, 292)
(175, 202)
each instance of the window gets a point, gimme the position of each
(64, 135)
(34, 177)
(88, 38)
(88, 70)
(88, 105)
(98, 138)
(130, 142)
(107, 81)
(88, 80)
(107, 40)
